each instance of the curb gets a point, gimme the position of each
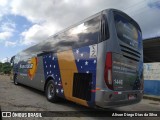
(150, 97)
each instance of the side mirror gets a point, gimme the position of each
(12, 60)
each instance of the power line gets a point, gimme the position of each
(133, 5)
(140, 9)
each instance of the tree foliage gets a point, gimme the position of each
(5, 68)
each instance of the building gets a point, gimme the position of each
(151, 49)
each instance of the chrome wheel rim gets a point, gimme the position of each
(50, 91)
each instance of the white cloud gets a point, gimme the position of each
(5, 35)
(8, 26)
(10, 44)
(6, 30)
(34, 10)
(37, 33)
(4, 7)
(3, 2)
(51, 16)
(3, 60)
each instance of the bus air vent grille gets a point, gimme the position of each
(130, 53)
(82, 86)
(130, 49)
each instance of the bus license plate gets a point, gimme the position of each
(131, 97)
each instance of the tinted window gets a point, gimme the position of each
(91, 30)
(17, 59)
(104, 29)
(127, 30)
(86, 33)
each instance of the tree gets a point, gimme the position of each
(1, 65)
(5, 68)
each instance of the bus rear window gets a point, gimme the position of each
(127, 30)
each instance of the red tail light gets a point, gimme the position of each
(108, 71)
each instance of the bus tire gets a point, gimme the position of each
(15, 79)
(50, 92)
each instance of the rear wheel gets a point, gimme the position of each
(50, 92)
(15, 79)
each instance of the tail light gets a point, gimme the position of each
(108, 71)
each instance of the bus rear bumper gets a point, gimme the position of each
(110, 99)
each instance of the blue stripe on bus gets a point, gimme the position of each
(51, 68)
(85, 64)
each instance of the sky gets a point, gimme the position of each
(24, 23)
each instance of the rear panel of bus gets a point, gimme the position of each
(120, 62)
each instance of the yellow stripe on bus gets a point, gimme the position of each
(67, 68)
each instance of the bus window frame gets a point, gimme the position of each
(104, 23)
(129, 20)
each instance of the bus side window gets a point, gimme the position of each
(90, 34)
(84, 34)
(104, 35)
(16, 60)
(12, 60)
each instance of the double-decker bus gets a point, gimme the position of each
(96, 62)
